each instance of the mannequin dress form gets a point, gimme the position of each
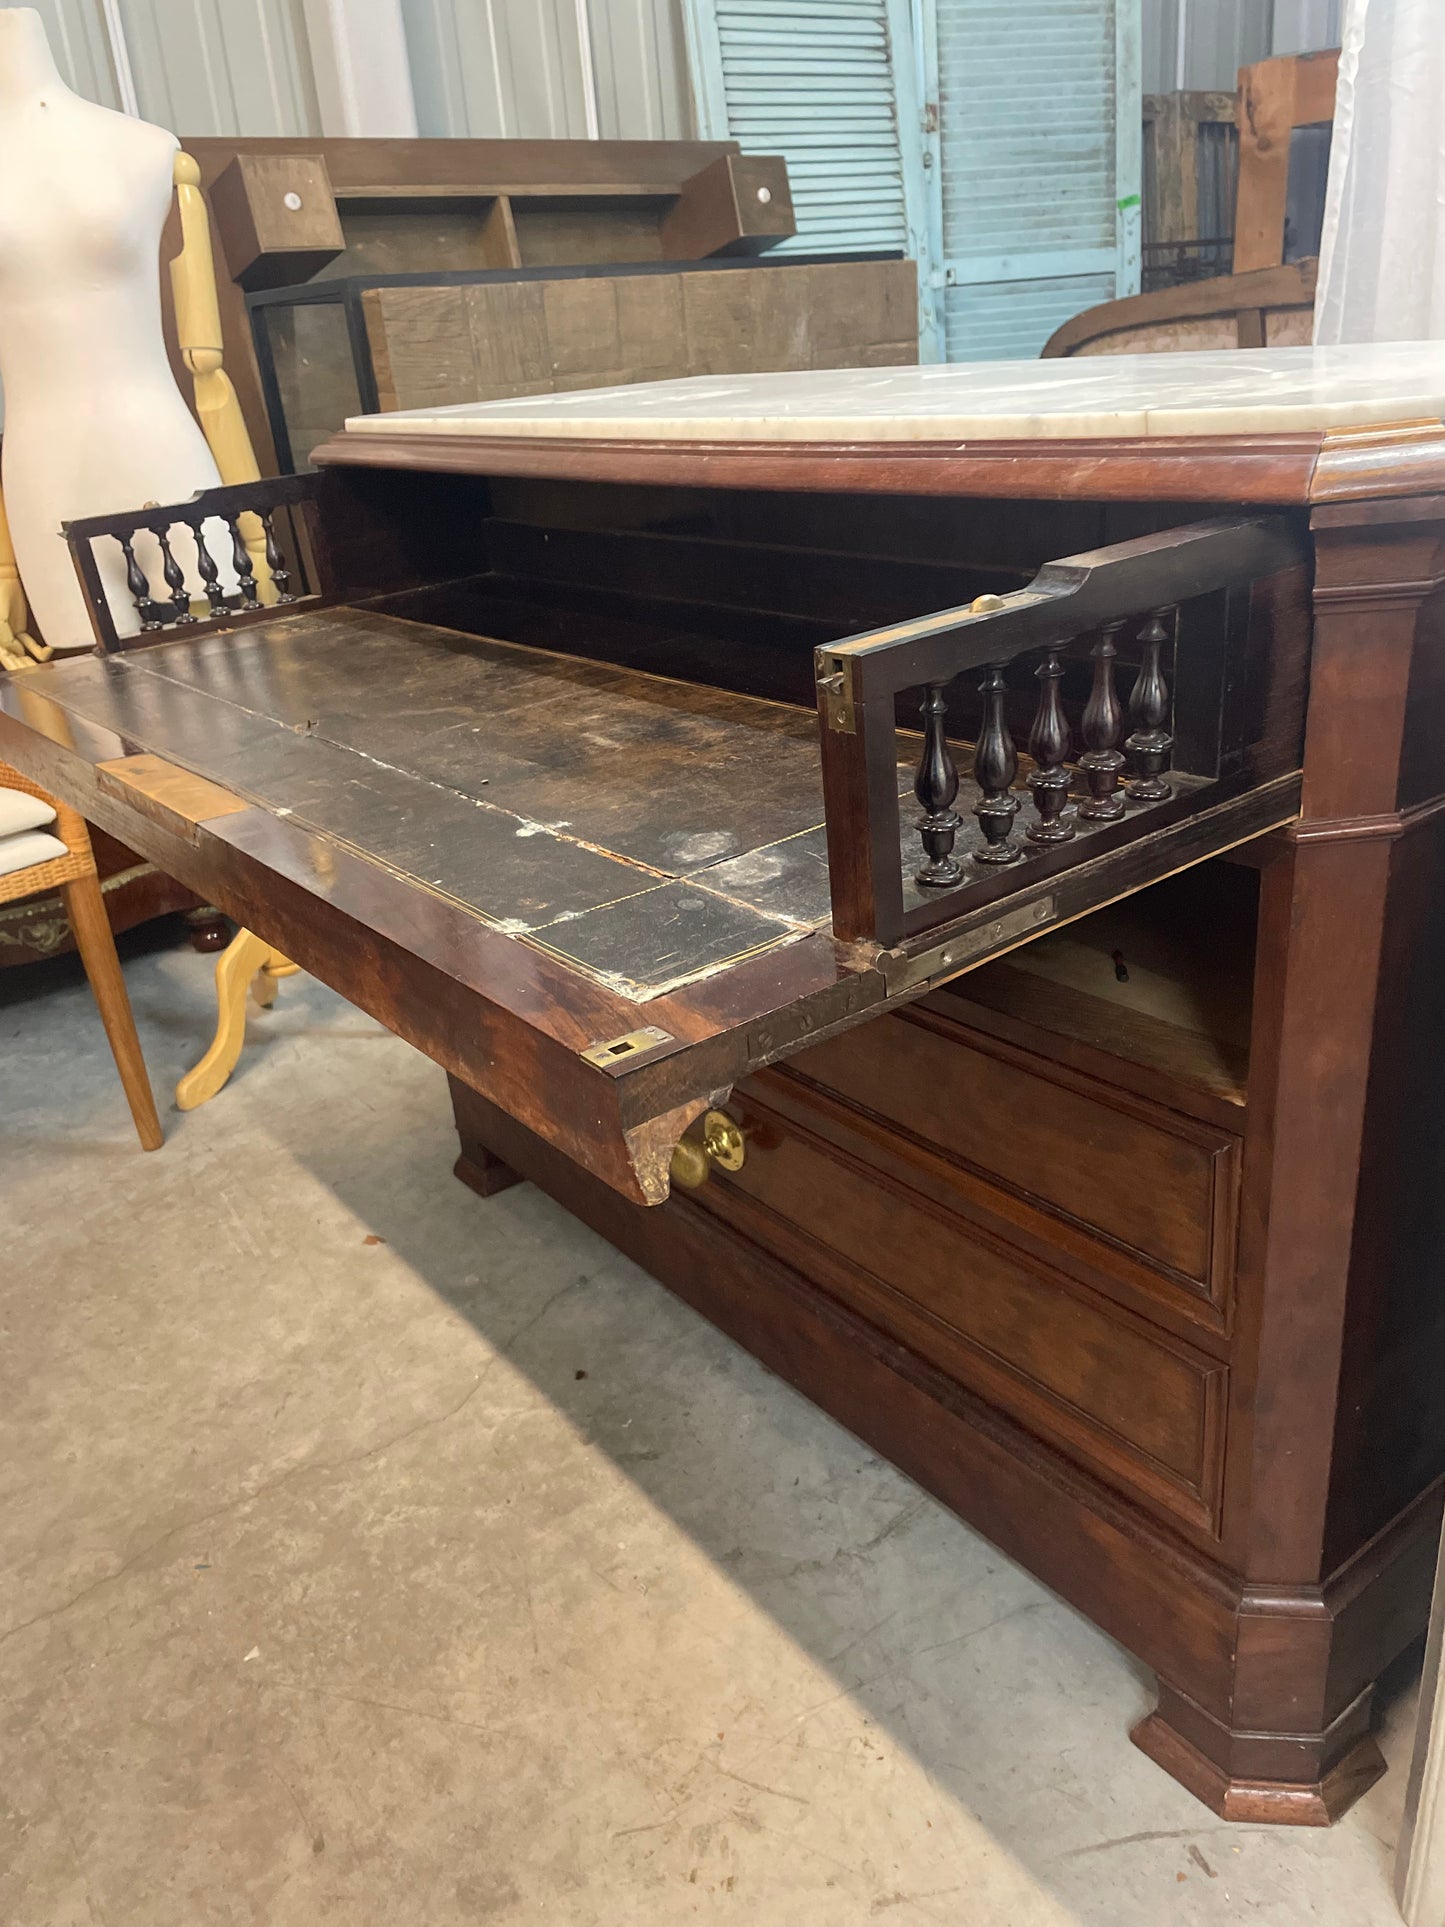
(94, 422)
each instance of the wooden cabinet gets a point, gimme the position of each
(934, 1264)
(1091, 1176)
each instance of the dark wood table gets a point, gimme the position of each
(1082, 1150)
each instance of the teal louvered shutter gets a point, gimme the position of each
(1037, 165)
(831, 85)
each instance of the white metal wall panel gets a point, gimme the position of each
(498, 69)
(1200, 45)
(825, 83)
(76, 32)
(1306, 26)
(222, 66)
(639, 58)
(1039, 133)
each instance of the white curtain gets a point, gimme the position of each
(1382, 255)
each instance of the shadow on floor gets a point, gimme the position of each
(989, 1632)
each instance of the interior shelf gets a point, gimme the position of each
(1161, 980)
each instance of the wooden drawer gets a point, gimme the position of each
(1152, 1182)
(1143, 1408)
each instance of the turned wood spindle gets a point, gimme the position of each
(210, 574)
(275, 560)
(175, 577)
(241, 563)
(138, 583)
(1147, 747)
(1049, 745)
(1102, 728)
(995, 764)
(935, 786)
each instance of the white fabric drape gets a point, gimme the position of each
(1382, 255)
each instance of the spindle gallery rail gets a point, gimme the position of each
(263, 533)
(1178, 600)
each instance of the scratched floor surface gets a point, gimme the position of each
(377, 1555)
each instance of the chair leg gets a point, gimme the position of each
(85, 907)
(238, 963)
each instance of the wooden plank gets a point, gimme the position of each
(540, 336)
(562, 190)
(489, 166)
(1275, 96)
(166, 791)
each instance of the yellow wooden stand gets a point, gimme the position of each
(247, 961)
(18, 648)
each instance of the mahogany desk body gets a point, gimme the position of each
(1151, 1302)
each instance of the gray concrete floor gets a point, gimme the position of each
(372, 1554)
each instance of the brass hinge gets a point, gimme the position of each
(904, 971)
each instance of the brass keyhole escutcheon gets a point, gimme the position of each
(720, 1143)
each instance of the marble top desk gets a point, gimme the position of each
(579, 764)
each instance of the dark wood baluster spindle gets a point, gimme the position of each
(935, 786)
(1147, 747)
(241, 563)
(175, 578)
(1049, 745)
(210, 574)
(1101, 761)
(276, 561)
(138, 583)
(995, 765)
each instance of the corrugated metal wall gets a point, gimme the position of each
(496, 68)
(640, 60)
(514, 68)
(222, 66)
(1202, 44)
(76, 32)
(1303, 26)
(199, 66)
(482, 67)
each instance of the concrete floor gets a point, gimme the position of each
(372, 1554)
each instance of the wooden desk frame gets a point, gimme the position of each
(1268, 1597)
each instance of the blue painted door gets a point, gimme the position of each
(997, 142)
(1032, 124)
(833, 86)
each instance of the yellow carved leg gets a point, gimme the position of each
(241, 960)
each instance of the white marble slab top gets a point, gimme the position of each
(1214, 393)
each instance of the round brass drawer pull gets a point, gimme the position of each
(721, 1143)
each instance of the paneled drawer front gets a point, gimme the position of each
(1160, 1184)
(1143, 1409)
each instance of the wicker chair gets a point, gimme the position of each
(74, 875)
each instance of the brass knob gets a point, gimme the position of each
(985, 605)
(721, 1142)
(722, 1139)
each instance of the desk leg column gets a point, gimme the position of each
(1336, 1454)
(478, 1167)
